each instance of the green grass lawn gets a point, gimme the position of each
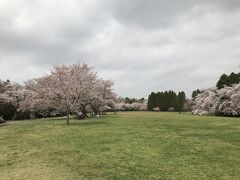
(133, 145)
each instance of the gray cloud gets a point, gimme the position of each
(143, 46)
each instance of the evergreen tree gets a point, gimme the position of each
(7, 110)
(222, 81)
(165, 101)
(195, 93)
(151, 101)
(226, 80)
(158, 99)
(233, 79)
(181, 100)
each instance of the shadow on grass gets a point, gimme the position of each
(1, 125)
(87, 122)
(114, 116)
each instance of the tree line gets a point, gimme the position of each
(166, 101)
(133, 100)
(131, 104)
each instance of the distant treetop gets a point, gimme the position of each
(226, 80)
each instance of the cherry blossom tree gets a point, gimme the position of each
(121, 105)
(71, 88)
(144, 106)
(215, 101)
(100, 97)
(229, 103)
(66, 86)
(12, 93)
(34, 102)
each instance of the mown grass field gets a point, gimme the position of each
(132, 145)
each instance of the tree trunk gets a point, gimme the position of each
(84, 111)
(14, 116)
(67, 118)
(95, 110)
(32, 115)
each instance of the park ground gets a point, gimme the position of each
(128, 145)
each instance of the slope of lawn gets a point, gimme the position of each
(131, 145)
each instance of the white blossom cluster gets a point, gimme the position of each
(135, 106)
(213, 101)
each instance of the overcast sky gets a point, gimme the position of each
(144, 46)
